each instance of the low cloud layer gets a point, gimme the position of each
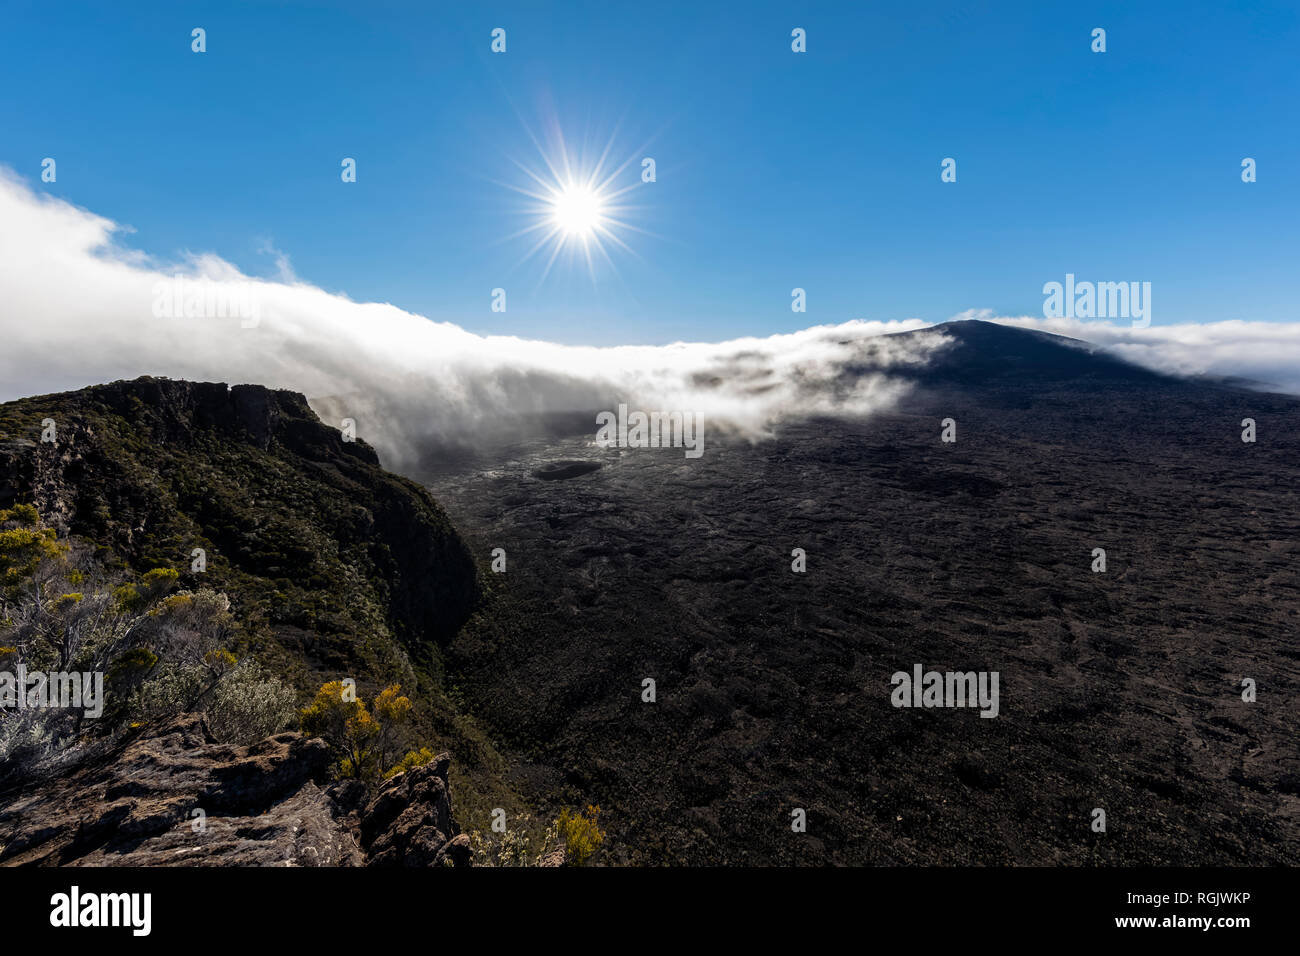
(79, 308)
(1266, 354)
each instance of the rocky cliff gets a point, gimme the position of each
(334, 569)
(335, 564)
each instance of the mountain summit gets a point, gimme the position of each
(987, 353)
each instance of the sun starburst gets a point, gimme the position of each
(578, 208)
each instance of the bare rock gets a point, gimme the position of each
(408, 823)
(174, 797)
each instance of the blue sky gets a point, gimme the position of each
(775, 169)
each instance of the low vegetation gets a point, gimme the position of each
(159, 651)
(574, 836)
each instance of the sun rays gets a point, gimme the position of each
(577, 206)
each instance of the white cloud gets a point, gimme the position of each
(79, 308)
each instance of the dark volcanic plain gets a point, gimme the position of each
(1119, 690)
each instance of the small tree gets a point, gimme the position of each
(364, 741)
(392, 713)
(342, 722)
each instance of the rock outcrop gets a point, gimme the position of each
(408, 823)
(174, 797)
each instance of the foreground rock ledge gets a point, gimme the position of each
(269, 804)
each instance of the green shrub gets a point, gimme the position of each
(22, 550)
(22, 515)
(127, 599)
(413, 758)
(581, 834)
(133, 664)
(175, 689)
(248, 705)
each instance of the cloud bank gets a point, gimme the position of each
(1266, 354)
(78, 308)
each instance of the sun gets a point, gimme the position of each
(578, 210)
(577, 204)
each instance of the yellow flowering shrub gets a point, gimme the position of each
(581, 834)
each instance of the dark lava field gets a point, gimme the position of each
(1119, 690)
